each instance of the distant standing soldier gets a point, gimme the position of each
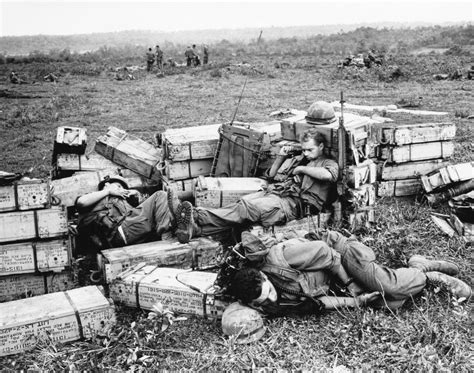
(205, 55)
(196, 59)
(159, 58)
(189, 54)
(150, 59)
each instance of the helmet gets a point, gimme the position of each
(243, 322)
(112, 179)
(320, 112)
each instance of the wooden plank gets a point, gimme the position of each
(70, 140)
(218, 192)
(417, 152)
(399, 188)
(187, 169)
(198, 253)
(28, 257)
(25, 195)
(448, 175)
(198, 142)
(409, 170)
(90, 162)
(131, 152)
(27, 225)
(443, 224)
(58, 317)
(143, 286)
(396, 134)
(66, 190)
(19, 286)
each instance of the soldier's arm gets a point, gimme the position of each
(90, 199)
(328, 172)
(331, 303)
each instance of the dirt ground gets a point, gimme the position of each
(430, 333)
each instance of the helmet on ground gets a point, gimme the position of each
(112, 179)
(320, 112)
(243, 322)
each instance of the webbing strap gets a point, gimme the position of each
(76, 313)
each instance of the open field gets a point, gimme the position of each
(431, 333)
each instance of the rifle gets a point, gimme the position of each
(342, 155)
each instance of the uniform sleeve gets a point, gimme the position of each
(307, 255)
(332, 167)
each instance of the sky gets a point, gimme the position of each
(67, 17)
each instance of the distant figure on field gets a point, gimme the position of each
(15, 79)
(189, 54)
(150, 59)
(159, 58)
(196, 60)
(205, 55)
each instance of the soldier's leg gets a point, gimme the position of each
(267, 209)
(395, 284)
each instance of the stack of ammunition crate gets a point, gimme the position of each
(70, 142)
(361, 144)
(35, 250)
(187, 153)
(408, 151)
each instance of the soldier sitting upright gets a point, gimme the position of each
(305, 188)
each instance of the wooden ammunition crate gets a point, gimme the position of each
(218, 192)
(357, 127)
(59, 317)
(131, 152)
(182, 144)
(365, 195)
(447, 175)
(399, 188)
(187, 169)
(397, 134)
(408, 170)
(25, 195)
(28, 225)
(417, 152)
(19, 286)
(70, 140)
(364, 173)
(176, 289)
(198, 253)
(28, 257)
(186, 185)
(66, 190)
(90, 162)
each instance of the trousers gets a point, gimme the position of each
(259, 207)
(151, 219)
(396, 285)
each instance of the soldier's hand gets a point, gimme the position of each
(299, 170)
(286, 149)
(367, 298)
(354, 289)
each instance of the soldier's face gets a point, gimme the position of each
(310, 150)
(268, 294)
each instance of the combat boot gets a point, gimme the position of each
(427, 265)
(455, 286)
(185, 222)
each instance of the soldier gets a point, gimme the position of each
(150, 59)
(296, 275)
(205, 55)
(196, 60)
(307, 187)
(159, 57)
(189, 54)
(108, 219)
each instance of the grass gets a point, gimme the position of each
(430, 333)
